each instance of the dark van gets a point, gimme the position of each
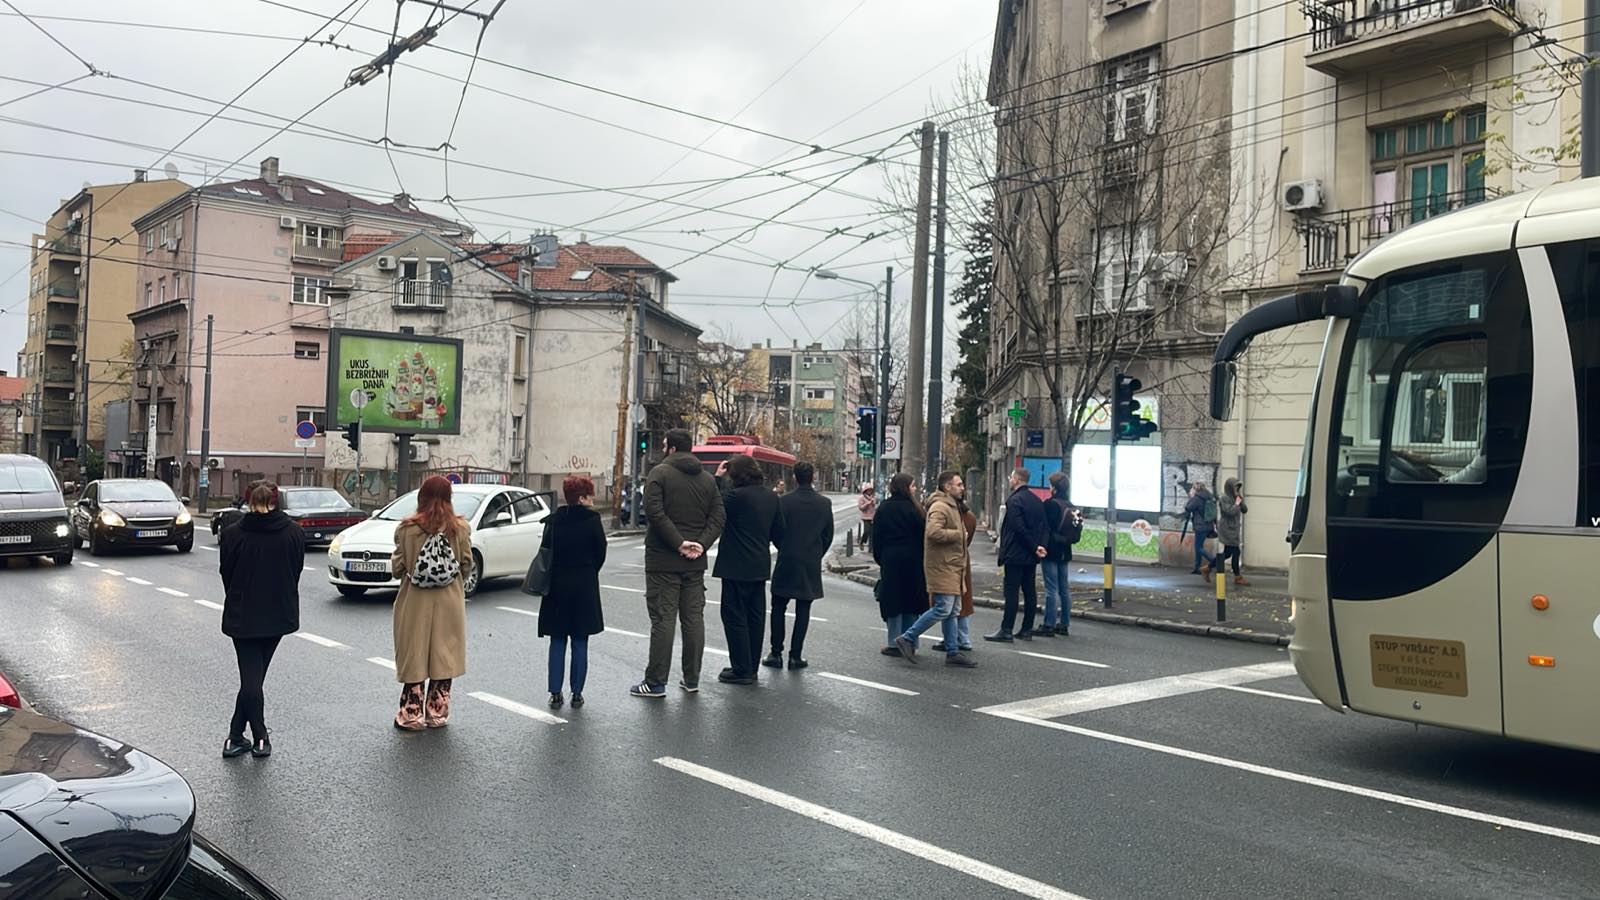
(33, 514)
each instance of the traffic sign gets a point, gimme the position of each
(359, 398)
(453, 477)
(305, 431)
(1035, 438)
(864, 449)
(891, 442)
(305, 443)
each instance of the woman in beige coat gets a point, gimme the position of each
(430, 623)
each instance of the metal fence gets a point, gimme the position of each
(1337, 22)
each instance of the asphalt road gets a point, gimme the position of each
(1111, 764)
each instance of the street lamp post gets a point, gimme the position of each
(880, 327)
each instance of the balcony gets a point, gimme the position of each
(58, 420)
(61, 334)
(67, 245)
(1352, 36)
(327, 252)
(416, 294)
(1330, 241)
(59, 375)
(62, 293)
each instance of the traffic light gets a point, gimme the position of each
(867, 426)
(352, 434)
(644, 442)
(1127, 424)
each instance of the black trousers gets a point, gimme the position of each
(802, 621)
(255, 655)
(1020, 578)
(1235, 552)
(744, 620)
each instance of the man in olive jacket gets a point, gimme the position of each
(685, 514)
(944, 565)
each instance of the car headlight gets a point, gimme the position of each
(333, 548)
(63, 530)
(183, 518)
(107, 517)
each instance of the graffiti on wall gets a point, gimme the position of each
(374, 486)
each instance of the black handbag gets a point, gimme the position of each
(537, 581)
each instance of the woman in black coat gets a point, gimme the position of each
(262, 557)
(897, 535)
(571, 611)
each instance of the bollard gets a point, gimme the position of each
(1222, 596)
(850, 542)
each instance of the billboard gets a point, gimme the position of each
(1138, 476)
(394, 383)
(1096, 413)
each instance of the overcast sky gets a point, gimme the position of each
(852, 76)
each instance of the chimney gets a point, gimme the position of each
(769, 343)
(547, 249)
(139, 175)
(402, 201)
(583, 237)
(286, 191)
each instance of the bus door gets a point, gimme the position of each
(1429, 420)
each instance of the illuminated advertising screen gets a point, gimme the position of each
(394, 383)
(1138, 476)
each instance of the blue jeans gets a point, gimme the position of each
(963, 632)
(898, 624)
(1055, 592)
(942, 611)
(558, 661)
(1201, 535)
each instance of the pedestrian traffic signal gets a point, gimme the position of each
(1127, 420)
(644, 442)
(352, 435)
(867, 425)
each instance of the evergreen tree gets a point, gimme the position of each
(972, 342)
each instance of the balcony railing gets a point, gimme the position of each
(67, 244)
(1335, 23)
(324, 251)
(62, 291)
(417, 294)
(61, 333)
(1330, 241)
(58, 375)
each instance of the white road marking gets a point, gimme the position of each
(520, 612)
(1278, 694)
(114, 572)
(318, 639)
(85, 562)
(611, 630)
(208, 547)
(617, 587)
(139, 581)
(521, 709)
(380, 661)
(1058, 705)
(871, 684)
(309, 568)
(719, 652)
(1076, 662)
(209, 605)
(922, 850)
(172, 593)
(1311, 780)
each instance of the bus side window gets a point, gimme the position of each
(1576, 265)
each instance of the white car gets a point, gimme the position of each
(507, 526)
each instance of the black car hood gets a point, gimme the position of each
(32, 500)
(142, 509)
(120, 817)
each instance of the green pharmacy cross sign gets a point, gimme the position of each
(1017, 412)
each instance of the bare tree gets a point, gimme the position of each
(730, 387)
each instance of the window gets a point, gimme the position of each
(1427, 167)
(438, 292)
(311, 290)
(161, 289)
(1123, 257)
(1132, 92)
(305, 476)
(819, 393)
(318, 237)
(516, 437)
(525, 278)
(315, 190)
(582, 274)
(164, 234)
(408, 295)
(177, 290)
(528, 508)
(498, 504)
(149, 294)
(519, 356)
(313, 414)
(150, 241)
(307, 350)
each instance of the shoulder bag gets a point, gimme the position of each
(537, 581)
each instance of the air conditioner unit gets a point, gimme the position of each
(386, 263)
(214, 462)
(1302, 195)
(286, 222)
(1170, 267)
(419, 452)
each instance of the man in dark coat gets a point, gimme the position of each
(744, 563)
(1022, 544)
(808, 533)
(685, 516)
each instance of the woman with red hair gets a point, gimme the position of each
(433, 548)
(571, 611)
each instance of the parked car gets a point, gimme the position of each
(131, 512)
(34, 520)
(9, 696)
(507, 526)
(322, 513)
(82, 815)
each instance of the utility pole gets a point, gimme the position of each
(911, 427)
(87, 255)
(152, 415)
(936, 372)
(1109, 586)
(883, 383)
(622, 407)
(1591, 89)
(205, 425)
(638, 400)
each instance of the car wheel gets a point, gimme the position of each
(77, 541)
(474, 576)
(63, 559)
(187, 545)
(352, 591)
(96, 546)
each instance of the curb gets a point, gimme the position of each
(1095, 615)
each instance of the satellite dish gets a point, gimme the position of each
(171, 170)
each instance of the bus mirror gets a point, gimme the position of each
(1341, 301)
(1222, 390)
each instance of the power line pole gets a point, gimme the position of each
(638, 402)
(936, 370)
(883, 383)
(1591, 89)
(205, 425)
(622, 407)
(911, 418)
(83, 337)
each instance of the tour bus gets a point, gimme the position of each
(1445, 548)
(775, 464)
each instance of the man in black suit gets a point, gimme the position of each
(744, 563)
(807, 535)
(1022, 544)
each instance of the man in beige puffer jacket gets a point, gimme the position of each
(944, 564)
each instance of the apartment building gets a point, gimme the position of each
(808, 402)
(12, 390)
(257, 257)
(80, 290)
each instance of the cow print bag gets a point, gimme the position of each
(436, 565)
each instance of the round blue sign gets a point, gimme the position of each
(453, 477)
(307, 430)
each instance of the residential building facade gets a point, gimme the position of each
(80, 290)
(257, 257)
(12, 390)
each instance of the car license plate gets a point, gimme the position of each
(153, 533)
(16, 539)
(377, 565)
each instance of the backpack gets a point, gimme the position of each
(436, 565)
(1211, 509)
(1070, 528)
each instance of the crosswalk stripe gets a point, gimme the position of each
(521, 709)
